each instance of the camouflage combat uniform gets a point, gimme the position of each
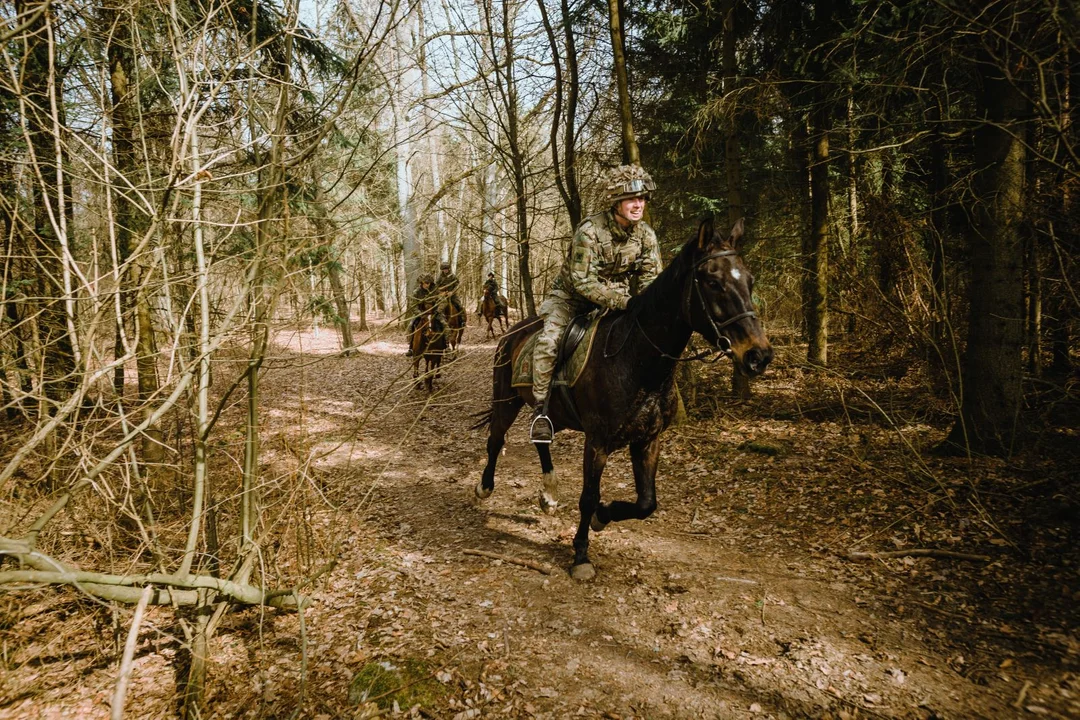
(447, 284)
(602, 259)
(424, 299)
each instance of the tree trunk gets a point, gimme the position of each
(153, 448)
(566, 167)
(489, 196)
(403, 148)
(1033, 296)
(852, 180)
(327, 232)
(740, 382)
(41, 91)
(17, 378)
(1061, 307)
(991, 393)
(938, 231)
(361, 294)
(816, 249)
(618, 50)
(130, 221)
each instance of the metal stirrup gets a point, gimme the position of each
(532, 430)
(543, 416)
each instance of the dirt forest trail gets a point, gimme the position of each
(729, 602)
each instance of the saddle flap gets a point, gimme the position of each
(575, 345)
(573, 334)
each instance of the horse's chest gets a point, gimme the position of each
(647, 418)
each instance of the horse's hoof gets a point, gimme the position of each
(481, 492)
(548, 504)
(583, 572)
(595, 523)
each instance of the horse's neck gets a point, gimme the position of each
(665, 333)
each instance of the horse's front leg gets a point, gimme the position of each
(644, 456)
(595, 461)
(549, 493)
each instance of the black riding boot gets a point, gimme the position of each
(541, 431)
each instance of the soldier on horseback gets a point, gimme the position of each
(447, 284)
(491, 286)
(425, 299)
(609, 249)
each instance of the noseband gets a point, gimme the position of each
(705, 308)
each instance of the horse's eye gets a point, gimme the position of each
(714, 284)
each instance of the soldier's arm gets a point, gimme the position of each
(651, 264)
(583, 265)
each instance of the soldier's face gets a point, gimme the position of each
(633, 209)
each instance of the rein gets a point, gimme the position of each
(720, 352)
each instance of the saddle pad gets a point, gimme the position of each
(565, 374)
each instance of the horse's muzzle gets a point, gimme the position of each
(756, 359)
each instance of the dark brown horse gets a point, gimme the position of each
(625, 395)
(428, 343)
(491, 309)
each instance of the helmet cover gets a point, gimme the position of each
(628, 181)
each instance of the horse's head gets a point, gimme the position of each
(719, 298)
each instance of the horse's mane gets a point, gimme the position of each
(668, 284)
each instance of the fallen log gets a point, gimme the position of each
(168, 589)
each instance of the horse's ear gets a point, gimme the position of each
(736, 234)
(705, 233)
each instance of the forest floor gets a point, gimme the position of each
(737, 598)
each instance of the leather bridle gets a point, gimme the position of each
(685, 312)
(716, 328)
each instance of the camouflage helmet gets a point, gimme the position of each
(628, 181)
(426, 279)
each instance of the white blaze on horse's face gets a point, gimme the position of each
(735, 273)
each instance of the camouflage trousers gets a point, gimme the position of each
(557, 314)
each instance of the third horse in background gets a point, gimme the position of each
(492, 310)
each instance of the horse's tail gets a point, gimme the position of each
(485, 419)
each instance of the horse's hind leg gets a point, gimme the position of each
(595, 461)
(644, 457)
(504, 411)
(549, 493)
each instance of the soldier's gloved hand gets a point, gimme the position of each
(633, 303)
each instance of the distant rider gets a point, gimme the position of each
(491, 286)
(425, 299)
(447, 285)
